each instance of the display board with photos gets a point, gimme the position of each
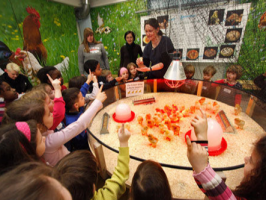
(209, 34)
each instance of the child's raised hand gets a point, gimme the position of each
(197, 156)
(89, 78)
(200, 126)
(94, 79)
(123, 136)
(56, 83)
(101, 96)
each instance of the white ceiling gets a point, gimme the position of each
(93, 3)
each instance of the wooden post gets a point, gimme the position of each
(199, 88)
(98, 149)
(251, 106)
(116, 93)
(218, 88)
(154, 85)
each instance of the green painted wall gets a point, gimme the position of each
(120, 18)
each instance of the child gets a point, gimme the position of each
(78, 81)
(132, 71)
(150, 182)
(75, 103)
(207, 89)
(261, 83)
(78, 173)
(7, 95)
(56, 106)
(20, 142)
(46, 88)
(108, 75)
(253, 184)
(30, 181)
(208, 73)
(16, 80)
(227, 94)
(190, 86)
(53, 72)
(189, 71)
(26, 109)
(94, 67)
(123, 73)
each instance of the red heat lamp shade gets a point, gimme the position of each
(174, 84)
(175, 75)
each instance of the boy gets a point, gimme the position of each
(207, 89)
(189, 86)
(94, 67)
(7, 95)
(208, 73)
(16, 80)
(189, 71)
(108, 75)
(227, 94)
(75, 101)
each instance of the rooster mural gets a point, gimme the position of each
(32, 36)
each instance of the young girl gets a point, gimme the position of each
(48, 89)
(233, 73)
(254, 182)
(54, 74)
(56, 105)
(150, 182)
(124, 74)
(132, 71)
(25, 109)
(78, 173)
(30, 181)
(20, 142)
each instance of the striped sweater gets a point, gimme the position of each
(213, 186)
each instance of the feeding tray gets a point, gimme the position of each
(215, 152)
(124, 121)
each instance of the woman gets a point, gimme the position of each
(129, 52)
(156, 51)
(90, 49)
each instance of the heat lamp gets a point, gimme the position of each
(175, 74)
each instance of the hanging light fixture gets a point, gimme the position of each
(175, 74)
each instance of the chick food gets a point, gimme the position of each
(158, 133)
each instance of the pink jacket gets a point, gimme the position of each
(59, 112)
(54, 143)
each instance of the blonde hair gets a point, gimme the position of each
(235, 69)
(13, 67)
(209, 69)
(189, 68)
(130, 64)
(106, 73)
(87, 32)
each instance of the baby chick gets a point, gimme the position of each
(144, 130)
(153, 140)
(240, 123)
(237, 109)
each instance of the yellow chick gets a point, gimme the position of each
(153, 140)
(144, 130)
(240, 123)
(168, 134)
(237, 109)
